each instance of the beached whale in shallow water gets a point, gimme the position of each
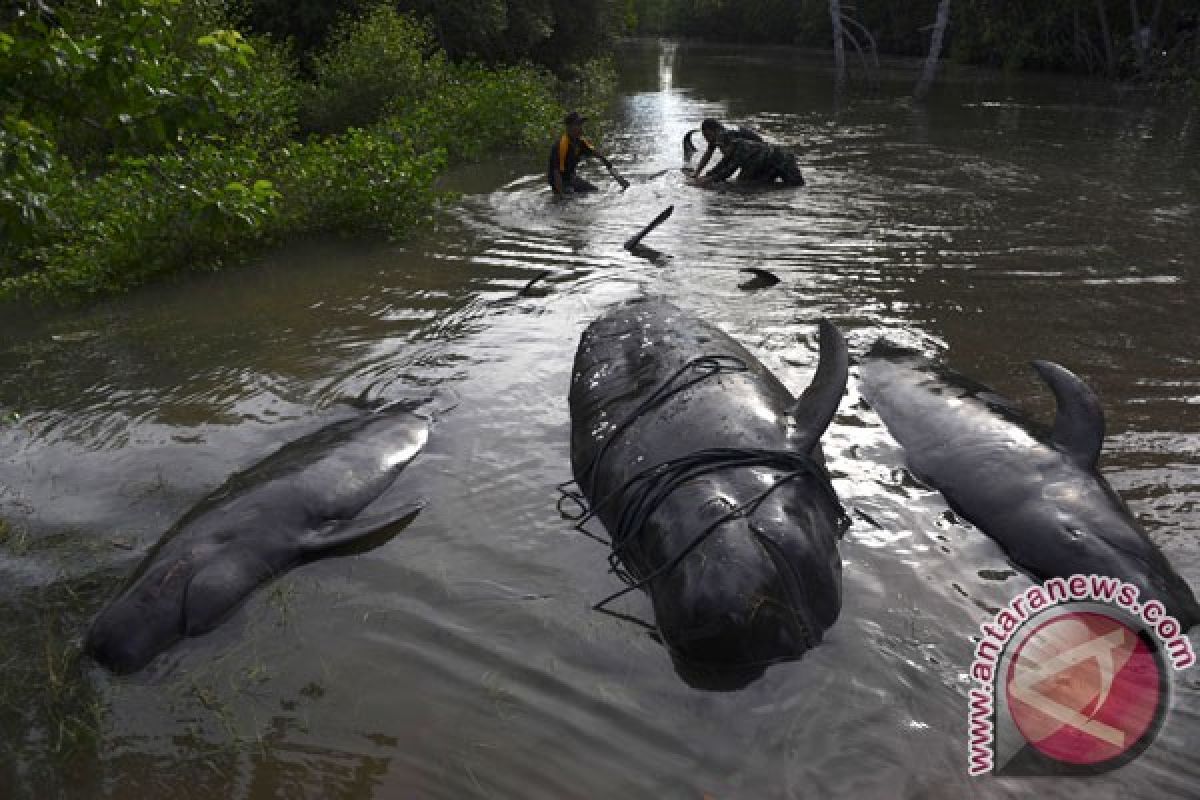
(1035, 491)
(299, 504)
(703, 429)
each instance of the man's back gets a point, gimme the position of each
(758, 162)
(742, 132)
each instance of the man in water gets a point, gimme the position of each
(565, 155)
(713, 130)
(759, 162)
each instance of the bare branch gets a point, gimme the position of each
(839, 50)
(935, 51)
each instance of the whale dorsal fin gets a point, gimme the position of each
(1079, 420)
(817, 405)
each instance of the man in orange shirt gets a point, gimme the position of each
(565, 155)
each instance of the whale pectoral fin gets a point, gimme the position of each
(817, 405)
(1079, 419)
(357, 529)
(216, 590)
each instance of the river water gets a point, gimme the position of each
(1012, 218)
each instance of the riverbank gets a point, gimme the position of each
(202, 145)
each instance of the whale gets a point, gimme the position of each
(1034, 489)
(708, 476)
(303, 502)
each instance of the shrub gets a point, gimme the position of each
(473, 110)
(147, 215)
(369, 64)
(213, 200)
(360, 180)
(133, 77)
(180, 152)
(589, 86)
(261, 104)
(30, 167)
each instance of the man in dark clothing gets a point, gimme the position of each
(713, 130)
(759, 162)
(565, 155)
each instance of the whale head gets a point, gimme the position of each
(1077, 519)
(173, 599)
(760, 590)
(134, 628)
(174, 595)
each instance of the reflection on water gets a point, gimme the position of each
(1010, 219)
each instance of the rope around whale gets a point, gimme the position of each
(643, 493)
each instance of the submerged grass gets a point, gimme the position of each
(50, 714)
(14, 540)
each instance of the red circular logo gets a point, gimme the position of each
(1084, 688)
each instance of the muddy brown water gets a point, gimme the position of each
(1013, 218)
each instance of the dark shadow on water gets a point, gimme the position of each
(656, 257)
(717, 680)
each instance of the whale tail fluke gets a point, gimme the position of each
(815, 408)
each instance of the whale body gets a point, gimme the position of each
(1035, 490)
(300, 503)
(733, 591)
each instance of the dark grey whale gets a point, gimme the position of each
(738, 548)
(1035, 491)
(298, 504)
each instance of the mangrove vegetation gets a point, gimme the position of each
(146, 137)
(143, 137)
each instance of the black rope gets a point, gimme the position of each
(642, 494)
(707, 366)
